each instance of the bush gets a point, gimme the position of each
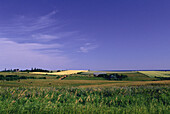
(57, 77)
(113, 76)
(42, 78)
(103, 75)
(117, 76)
(11, 77)
(79, 72)
(2, 77)
(23, 77)
(163, 78)
(31, 77)
(58, 70)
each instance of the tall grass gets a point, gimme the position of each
(91, 100)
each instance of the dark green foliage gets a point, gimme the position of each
(23, 77)
(35, 70)
(11, 77)
(38, 70)
(57, 77)
(79, 72)
(113, 76)
(16, 77)
(31, 77)
(163, 78)
(42, 78)
(2, 77)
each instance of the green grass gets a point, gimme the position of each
(137, 76)
(132, 76)
(84, 78)
(155, 100)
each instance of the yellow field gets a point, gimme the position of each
(67, 72)
(156, 73)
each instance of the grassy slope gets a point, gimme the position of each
(137, 76)
(132, 76)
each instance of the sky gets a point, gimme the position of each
(85, 34)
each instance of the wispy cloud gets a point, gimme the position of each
(24, 24)
(42, 29)
(42, 37)
(39, 41)
(45, 37)
(26, 56)
(87, 47)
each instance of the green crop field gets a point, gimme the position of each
(156, 73)
(144, 100)
(83, 93)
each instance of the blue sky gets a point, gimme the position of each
(85, 34)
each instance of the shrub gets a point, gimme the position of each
(11, 77)
(2, 77)
(42, 78)
(23, 77)
(114, 76)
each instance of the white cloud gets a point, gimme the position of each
(48, 37)
(24, 24)
(23, 55)
(87, 47)
(45, 37)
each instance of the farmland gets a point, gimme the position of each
(67, 72)
(156, 73)
(82, 92)
(91, 100)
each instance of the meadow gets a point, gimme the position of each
(138, 93)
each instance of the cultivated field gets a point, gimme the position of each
(67, 72)
(156, 73)
(131, 100)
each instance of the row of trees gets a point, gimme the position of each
(27, 70)
(35, 70)
(113, 76)
(163, 78)
(16, 77)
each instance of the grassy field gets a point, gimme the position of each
(131, 76)
(134, 100)
(156, 73)
(84, 93)
(78, 83)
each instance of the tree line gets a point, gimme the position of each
(16, 77)
(113, 76)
